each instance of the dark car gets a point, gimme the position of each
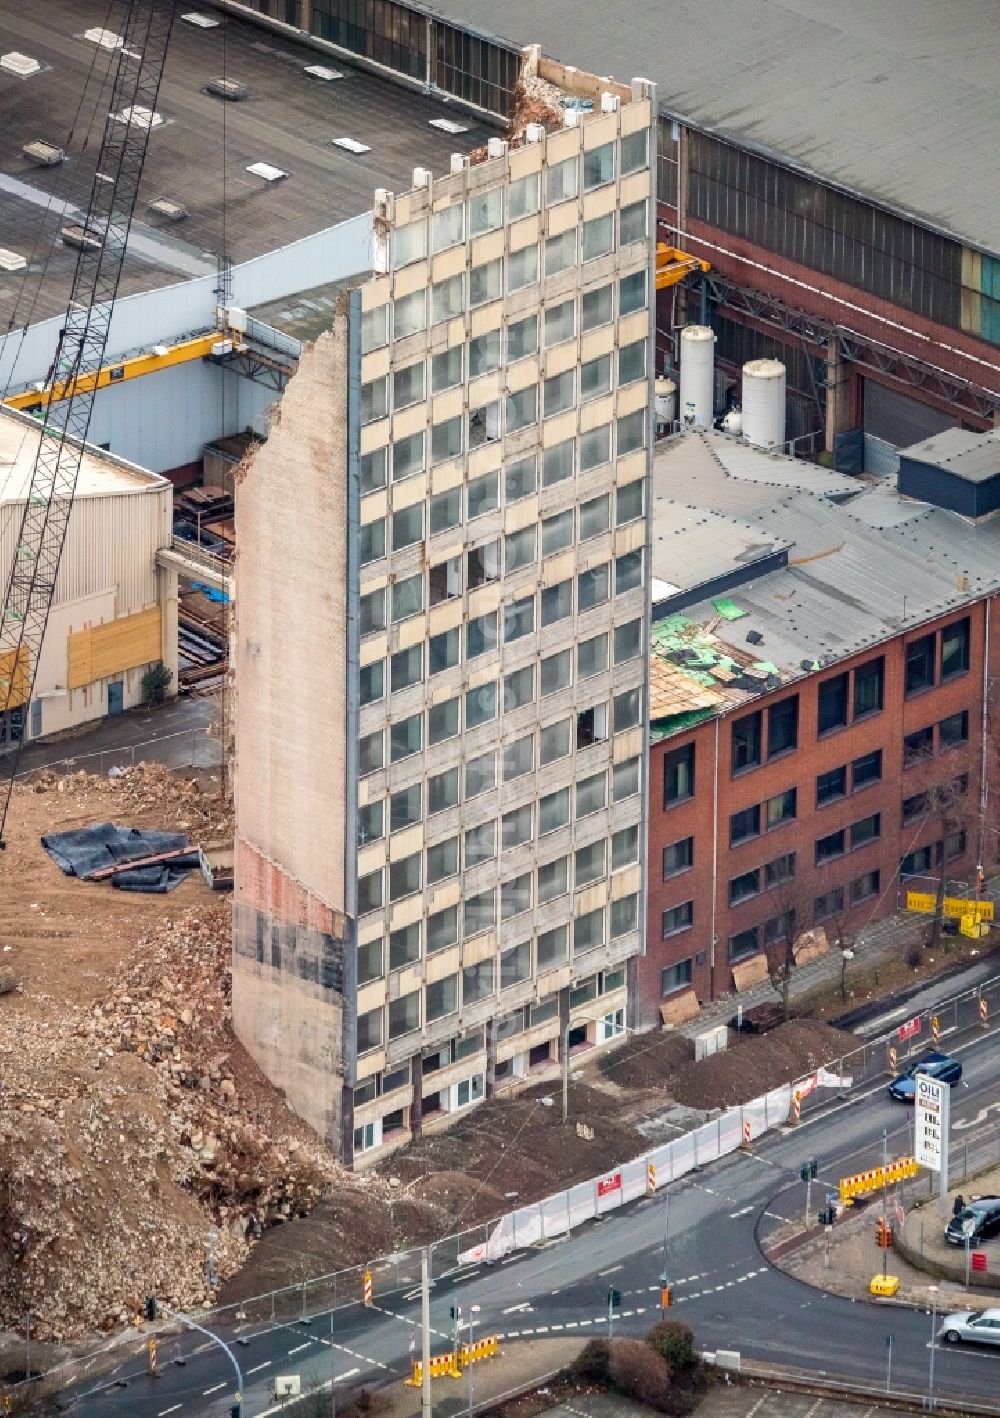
(976, 1222)
(940, 1066)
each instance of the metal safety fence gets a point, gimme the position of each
(187, 748)
(854, 1072)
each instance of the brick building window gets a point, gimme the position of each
(918, 862)
(781, 808)
(863, 888)
(830, 847)
(676, 977)
(914, 807)
(869, 682)
(868, 829)
(920, 665)
(918, 745)
(783, 726)
(780, 870)
(955, 845)
(677, 919)
(954, 730)
(742, 887)
(746, 742)
(832, 704)
(678, 775)
(744, 824)
(678, 857)
(955, 649)
(742, 944)
(865, 770)
(831, 903)
(831, 785)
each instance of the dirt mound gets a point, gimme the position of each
(754, 1063)
(649, 1061)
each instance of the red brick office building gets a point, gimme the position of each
(810, 797)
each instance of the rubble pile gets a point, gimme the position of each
(140, 1150)
(176, 800)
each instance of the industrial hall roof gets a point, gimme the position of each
(199, 153)
(972, 456)
(101, 474)
(894, 99)
(857, 570)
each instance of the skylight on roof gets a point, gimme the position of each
(11, 261)
(20, 64)
(321, 72)
(351, 145)
(107, 39)
(201, 22)
(266, 171)
(138, 116)
(448, 125)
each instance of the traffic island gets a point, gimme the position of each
(843, 1259)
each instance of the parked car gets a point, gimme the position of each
(968, 1325)
(940, 1066)
(977, 1221)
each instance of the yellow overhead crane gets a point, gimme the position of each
(161, 358)
(672, 265)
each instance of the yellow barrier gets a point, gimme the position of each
(884, 1285)
(864, 1182)
(482, 1349)
(442, 1366)
(954, 906)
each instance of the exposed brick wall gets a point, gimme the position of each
(800, 768)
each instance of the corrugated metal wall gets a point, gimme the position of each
(111, 544)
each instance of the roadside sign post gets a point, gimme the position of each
(614, 1303)
(888, 1363)
(931, 1128)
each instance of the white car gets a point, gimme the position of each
(979, 1327)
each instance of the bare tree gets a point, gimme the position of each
(792, 908)
(949, 786)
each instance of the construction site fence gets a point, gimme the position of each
(187, 748)
(856, 1071)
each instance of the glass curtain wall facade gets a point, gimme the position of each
(504, 460)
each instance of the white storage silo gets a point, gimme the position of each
(666, 404)
(764, 403)
(697, 376)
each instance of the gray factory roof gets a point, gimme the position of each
(896, 101)
(288, 120)
(972, 456)
(858, 572)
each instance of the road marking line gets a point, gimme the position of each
(214, 1389)
(583, 1322)
(612, 1270)
(541, 1329)
(571, 1324)
(266, 1365)
(756, 1406)
(734, 1215)
(299, 1348)
(555, 1327)
(513, 1309)
(165, 1411)
(513, 1334)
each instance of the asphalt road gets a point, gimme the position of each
(733, 1299)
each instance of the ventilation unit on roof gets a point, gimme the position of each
(230, 89)
(351, 145)
(459, 161)
(754, 637)
(610, 103)
(170, 211)
(20, 64)
(43, 154)
(11, 261)
(448, 125)
(322, 73)
(266, 171)
(138, 116)
(421, 177)
(496, 147)
(200, 22)
(534, 133)
(107, 39)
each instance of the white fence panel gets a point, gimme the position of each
(526, 1227)
(582, 1201)
(682, 1157)
(706, 1141)
(634, 1179)
(555, 1215)
(730, 1131)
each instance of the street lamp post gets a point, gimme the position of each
(193, 1324)
(933, 1291)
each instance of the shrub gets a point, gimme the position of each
(913, 955)
(674, 1342)
(155, 683)
(591, 1364)
(641, 1374)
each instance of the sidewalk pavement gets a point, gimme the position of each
(876, 943)
(186, 714)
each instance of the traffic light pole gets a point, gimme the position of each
(192, 1324)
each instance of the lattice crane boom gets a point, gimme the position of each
(31, 585)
